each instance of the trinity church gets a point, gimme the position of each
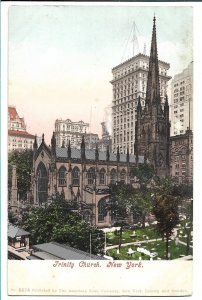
(82, 176)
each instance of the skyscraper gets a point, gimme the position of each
(129, 82)
(182, 101)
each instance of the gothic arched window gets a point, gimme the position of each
(91, 175)
(42, 183)
(75, 177)
(102, 176)
(62, 176)
(113, 176)
(123, 176)
(101, 210)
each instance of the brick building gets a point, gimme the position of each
(181, 157)
(18, 137)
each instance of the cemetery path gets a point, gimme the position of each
(141, 242)
(133, 243)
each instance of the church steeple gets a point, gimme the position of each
(139, 106)
(83, 151)
(53, 144)
(152, 124)
(69, 151)
(153, 87)
(35, 145)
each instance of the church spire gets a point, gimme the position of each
(53, 144)
(139, 106)
(153, 87)
(69, 151)
(83, 151)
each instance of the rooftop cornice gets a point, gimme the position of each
(136, 56)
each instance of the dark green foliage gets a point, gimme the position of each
(120, 205)
(185, 191)
(142, 203)
(126, 201)
(145, 173)
(23, 161)
(166, 185)
(166, 212)
(57, 222)
(120, 202)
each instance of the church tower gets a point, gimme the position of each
(152, 128)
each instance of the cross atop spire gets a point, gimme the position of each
(153, 87)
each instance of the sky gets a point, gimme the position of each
(61, 57)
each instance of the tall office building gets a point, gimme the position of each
(129, 82)
(182, 101)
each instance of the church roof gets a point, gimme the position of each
(90, 155)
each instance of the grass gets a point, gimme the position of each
(127, 237)
(157, 246)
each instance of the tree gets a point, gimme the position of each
(141, 203)
(166, 212)
(120, 206)
(23, 161)
(57, 222)
(188, 223)
(145, 174)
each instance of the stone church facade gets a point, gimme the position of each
(83, 176)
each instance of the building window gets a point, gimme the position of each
(102, 176)
(113, 176)
(42, 183)
(62, 176)
(101, 210)
(91, 175)
(75, 177)
(123, 176)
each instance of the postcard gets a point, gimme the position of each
(100, 149)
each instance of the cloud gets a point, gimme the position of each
(34, 62)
